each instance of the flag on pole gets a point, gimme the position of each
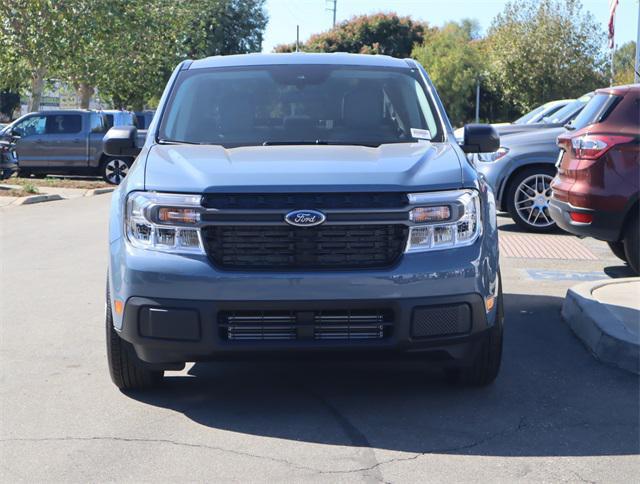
(613, 4)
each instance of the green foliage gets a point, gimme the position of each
(9, 101)
(624, 63)
(126, 49)
(222, 27)
(453, 59)
(31, 35)
(539, 50)
(381, 33)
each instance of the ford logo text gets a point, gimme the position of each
(304, 218)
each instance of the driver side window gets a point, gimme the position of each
(35, 125)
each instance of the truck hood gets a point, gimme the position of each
(392, 167)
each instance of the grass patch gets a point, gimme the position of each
(57, 182)
(14, 192)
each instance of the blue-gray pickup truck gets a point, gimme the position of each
(302, 204)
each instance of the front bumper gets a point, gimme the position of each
(604, 225)
(191, 293)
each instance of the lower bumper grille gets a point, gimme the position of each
(305, 325)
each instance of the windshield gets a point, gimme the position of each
(568, 112)
(299, 104)
(530, 115)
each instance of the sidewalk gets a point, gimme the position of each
(605, 315)
(46, 193)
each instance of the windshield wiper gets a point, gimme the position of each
(164, 141)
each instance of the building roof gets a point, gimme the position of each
(338, 58)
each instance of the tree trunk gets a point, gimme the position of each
(37, 85)
(84, 92)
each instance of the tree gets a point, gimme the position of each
(624, 63)
(452, 57)
(381, 33)
(540, 50)
(32, 32)
(222, 27)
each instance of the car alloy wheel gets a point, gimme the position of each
(531, 201)
(115, 170)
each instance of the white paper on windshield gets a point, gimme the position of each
(420, 133)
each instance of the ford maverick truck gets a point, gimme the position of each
(302, 204)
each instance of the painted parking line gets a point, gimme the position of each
(542, 275)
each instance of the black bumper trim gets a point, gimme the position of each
(211, 345)
(604, 226)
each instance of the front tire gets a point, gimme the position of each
(631, 243)
(127, 371)
(113, 169)
(618, 250)
(486, 365)
(528, 195)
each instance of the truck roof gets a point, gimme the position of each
(338, 58)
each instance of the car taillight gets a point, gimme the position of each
(593, 146)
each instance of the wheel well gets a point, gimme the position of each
(507, 183)
(631, 212)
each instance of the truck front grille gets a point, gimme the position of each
(332, 325)
(284, 247)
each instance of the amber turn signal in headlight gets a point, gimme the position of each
(179, 215)
(430, 214)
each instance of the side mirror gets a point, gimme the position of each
(15, 133)
(480, 138)
(121, 141)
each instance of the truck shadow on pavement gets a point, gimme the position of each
(552, 398)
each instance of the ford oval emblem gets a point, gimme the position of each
(305, 218)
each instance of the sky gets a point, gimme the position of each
(313, 16)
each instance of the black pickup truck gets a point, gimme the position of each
(66, 142)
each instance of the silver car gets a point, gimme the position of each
(520, 173)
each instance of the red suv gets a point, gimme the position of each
(596, 190)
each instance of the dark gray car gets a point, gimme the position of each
(65, 142)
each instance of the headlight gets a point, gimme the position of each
(447, 219)
(495, 156)
(164, 222)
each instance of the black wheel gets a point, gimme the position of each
(631, 242)
(528, 195)
(113, 169)
(618, 250)
(127, 371)
(486, 366)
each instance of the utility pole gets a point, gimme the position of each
(297, 38)
(478, 101)
(333, 9)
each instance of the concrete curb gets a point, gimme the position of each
(98, 191)
(36, 199)
(606, 337)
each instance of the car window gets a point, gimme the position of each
(63, 124)
(292, 104)
(595, 110)
(34, 125)
(98, 123)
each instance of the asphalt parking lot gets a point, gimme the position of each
(554, 413)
